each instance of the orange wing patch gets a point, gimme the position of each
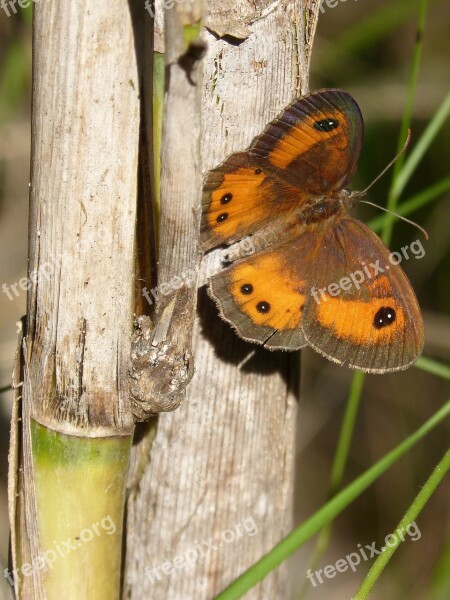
(239, 196)
(265, 292)
(373, 322)
(314, 144)
(299, 140)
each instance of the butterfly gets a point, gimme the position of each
(318, 277)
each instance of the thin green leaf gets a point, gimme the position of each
(347, 429)
(422, 146)
(368, 31)
(414, 203)
(339, 462)
(434, 367)
(13, 80)
(395, 190)
(327, 513)
(441, 577)
(410, 516)
(158, 104)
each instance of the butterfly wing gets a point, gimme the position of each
(311, 149)
(263, 296)
(363, 311)
(333, 288)
(239, 198)
(314, 144)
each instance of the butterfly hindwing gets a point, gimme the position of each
(263, 296)
(358, 309)
(362, 311)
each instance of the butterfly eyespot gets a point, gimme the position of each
(263, 307)
(384, 317)
(222, 217)
(258, 171)
(246, 289)
(226, 198)
(326, 125)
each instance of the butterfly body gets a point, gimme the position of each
(318, 276)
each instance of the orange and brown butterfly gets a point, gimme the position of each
(318, 276)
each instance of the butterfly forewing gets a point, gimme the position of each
(314, 144)
(239, 198)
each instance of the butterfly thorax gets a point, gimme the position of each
(312, 211)
(320, 209)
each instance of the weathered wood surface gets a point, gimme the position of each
(217, 491)
(84, 168)
(162, 360)
(76, 344)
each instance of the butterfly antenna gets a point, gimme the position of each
(398, 216)
(386, 168)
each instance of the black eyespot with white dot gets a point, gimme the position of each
(246, 289)
(326, 125)
(258, 171)
(384, 317)
(222, 217)
(226, 198)
(263, 307)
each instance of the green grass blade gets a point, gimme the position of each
(410, 516)
(327, 513)
(13, 80)
(412, 86)
(422, 146)
(346, 434)
(395, 190)
(433, 366)
(441, 576)
(414, 203)
(159, 70)
(370, 30)
(339, 462)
